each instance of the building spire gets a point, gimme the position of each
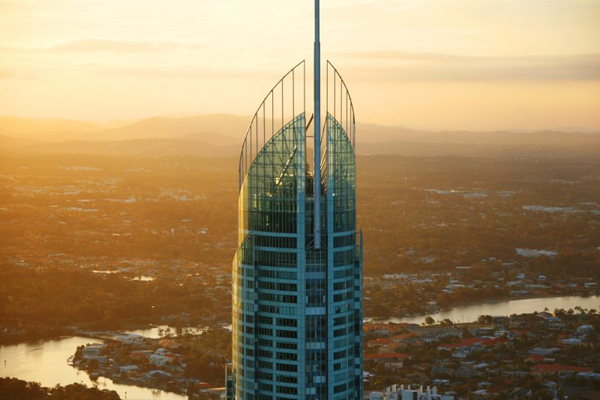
(317, 127)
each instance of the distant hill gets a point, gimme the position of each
(220, 129)
(11, 142)
(217, 129)
(375, 139)
(39, 128)
(222, 135)
(136, 147)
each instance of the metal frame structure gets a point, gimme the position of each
(341, 108)
(264, 122)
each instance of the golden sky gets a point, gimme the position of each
(435, 64)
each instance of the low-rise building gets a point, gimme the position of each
(93, 350)
(557, 369)
(396, 392)
(132, 339)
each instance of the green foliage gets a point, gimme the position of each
(16, 389)
(63, 296)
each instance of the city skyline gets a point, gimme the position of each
(427, 64)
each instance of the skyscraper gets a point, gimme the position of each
(297, 273)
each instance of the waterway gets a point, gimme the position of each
(46, 361)
(471, 312)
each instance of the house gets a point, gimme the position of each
(168, 344)
(132, 339)
(93, 350)
(375, 396)
(143, 354)
(379, 342)
(534, 358)
(392, 360)
(466, 372)
(384, 328)
(396, 392)
(557, 369)
(463, 353)
(158, 374)
(162, 357)
(572, 342)
(465, 343)
(127, 368)
(589, 376)
(585, 329)
(544, 351)
(399, 340)
(557, 326)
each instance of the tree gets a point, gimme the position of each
(429, 320)
(16, 389)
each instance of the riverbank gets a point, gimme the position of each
(182, 364)
(511, 298)
(139, 362)
(46, 362)
(507, 306)
(506, 353)
(13, 388)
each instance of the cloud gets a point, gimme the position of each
(403, 65)
(178, 72)
(119, 46)
(4, 73)
(390, 5)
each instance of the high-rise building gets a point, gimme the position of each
(297, 273)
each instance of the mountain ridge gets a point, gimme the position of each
(222, 135)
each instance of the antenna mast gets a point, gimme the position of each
(317, 127)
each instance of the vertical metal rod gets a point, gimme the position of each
(327, 89)
(304, 85)
(335, 95)
(293, 93)
(304, 101)
(341, 101)
(317, 127)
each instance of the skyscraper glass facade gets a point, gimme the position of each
(297, 309)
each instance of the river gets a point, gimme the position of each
(471, 312)
(46, 361)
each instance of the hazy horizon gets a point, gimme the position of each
(421, 64)
(114, 123)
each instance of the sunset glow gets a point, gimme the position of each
(433, 64)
